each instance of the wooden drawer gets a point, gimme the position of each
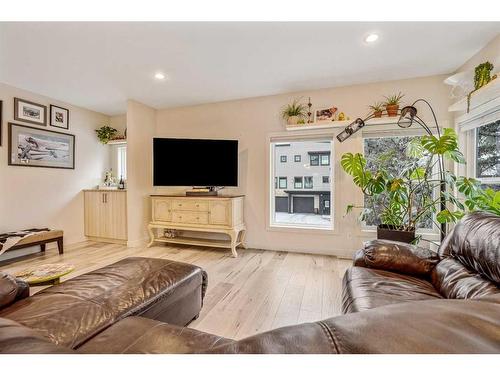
(190, 217)
(190, 205)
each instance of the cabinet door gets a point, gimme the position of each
(94, 201)
(162, 210)
(220, 212)
(115, 215)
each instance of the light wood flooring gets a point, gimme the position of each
(258, 291)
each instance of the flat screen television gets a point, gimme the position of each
(195, 162)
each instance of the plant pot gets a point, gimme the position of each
(388, 232)
(292, 120)
(377, 114)
(392, 110)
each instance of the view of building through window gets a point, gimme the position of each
(389, 153)
(488, 155)
(301, 183)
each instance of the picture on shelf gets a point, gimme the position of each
(30, 112)
(32, 147)
(59, 117)
(325, 114)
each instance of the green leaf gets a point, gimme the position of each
(417, 174)
(447, 142)
(467, 186)
(414, 149)
(353, 164)
(455, 155)
(446, 216)
(349, 209)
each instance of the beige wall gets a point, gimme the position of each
(46, 197)
(140, 132)
(491, 53)
(252, 121)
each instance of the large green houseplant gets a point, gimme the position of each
(401, 200)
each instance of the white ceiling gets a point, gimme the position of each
(99, 65)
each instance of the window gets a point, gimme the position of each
(325, 159)
(283, 183)
(308, 182)
(326, 179)
(389, 153)
(487, 156)
(121, 157)
(297, 182)
(283, 158)
(307, 203)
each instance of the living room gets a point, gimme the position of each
(249, 187)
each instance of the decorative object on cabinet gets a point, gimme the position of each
(105, 133)
(30, 112)
(59, 117)
(222, 214)
(35, 147)
(106, 215)
(293, 112)
(377, 109)
(325, 114)
(392, 104)
(310, 119)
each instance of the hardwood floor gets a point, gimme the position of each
(258, 291)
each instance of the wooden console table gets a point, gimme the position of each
(214, 214)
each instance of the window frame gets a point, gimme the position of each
(312, 182)
(323, 179)
(483, 180)
(295, 182)
(311, 162)
(120, 155)
(321, 160)
(299, 157)
(283, 159)
(279, 182)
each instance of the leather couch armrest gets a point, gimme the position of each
(23, 290)
(397, 257)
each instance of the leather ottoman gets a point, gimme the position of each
(71, 313)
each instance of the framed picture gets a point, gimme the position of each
(1, 122)
(35, 147)
(325, 114)
(33, 113)
(59, 117)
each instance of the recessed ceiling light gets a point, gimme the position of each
(160, 76)
(371, 38)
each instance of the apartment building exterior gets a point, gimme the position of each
(303, 177)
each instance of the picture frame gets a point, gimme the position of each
(59, 117)
(37, 147)
(30, 112)
(1, 121)
(325, 114)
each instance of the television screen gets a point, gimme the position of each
(195, 162)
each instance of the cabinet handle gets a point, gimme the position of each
(103, 198)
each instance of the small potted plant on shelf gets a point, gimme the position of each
(105, 133)
(377, 109)
(392, 104)
(294, 112)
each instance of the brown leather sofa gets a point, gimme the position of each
(407, 300)
(70, 313)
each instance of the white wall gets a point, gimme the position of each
(47, 197)
(252, 121)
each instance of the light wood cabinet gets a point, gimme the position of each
(221, 214)
(106, 215)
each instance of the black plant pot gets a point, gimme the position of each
(389, 232)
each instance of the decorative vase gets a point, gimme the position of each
(292, 120)
(388, 232)
(377, 114)
(392, 110)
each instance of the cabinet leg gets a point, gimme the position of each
(60, 246)
(151, 236)
(243, 235)
(234, 238)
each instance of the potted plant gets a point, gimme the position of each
(377, 109)
(294, 112)
(482, 74)
(402, 199)
(105, 133)
(392, 104)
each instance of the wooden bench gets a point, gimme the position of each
(41, 239)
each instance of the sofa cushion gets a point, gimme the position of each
(74, 311)
(367, 288)
(475, 242)
(136, 335)
(453, 280)
(8, 289)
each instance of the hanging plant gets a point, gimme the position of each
(105, 133)
(482, 74)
